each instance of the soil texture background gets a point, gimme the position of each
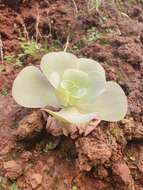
(111, 157)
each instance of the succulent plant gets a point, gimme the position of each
(77, 86)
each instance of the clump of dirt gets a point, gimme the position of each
(30, 126)
(109, 158)
(122, 176)
(12, 169)
(91, 153)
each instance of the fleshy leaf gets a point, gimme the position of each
(111, 105)
(71, 115)
(32, 89)
(75, 82)
(57, 62)
(89, 65)
(55, 79)
(73, 87)
(97, 85)
(79, 78)
(97, 79)
(62, 96)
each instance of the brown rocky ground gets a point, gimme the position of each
(111, 157)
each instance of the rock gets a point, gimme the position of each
(36, 180)
(30, 126)
(128, 126)
(102, 172)
(6, 146)
(122, 175)
(138, 133)
(140, 159)
(136, 11)
(133, 130)
(131, 52)
(91, 153)
(13, 169)
(26, 156)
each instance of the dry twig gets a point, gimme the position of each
(38, 34)
(67, 44)
(25, 32)
(76, 9)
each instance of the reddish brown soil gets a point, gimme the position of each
(111, 157)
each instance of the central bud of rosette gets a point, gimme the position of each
(73, 87)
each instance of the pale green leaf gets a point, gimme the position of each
(54, 79)
(111, 105)
(63, 96)
(89, 65)
(32, 89)
(57, 62)
(97, 85)
(71, 115)
(75, 82)
(79, 78)
(97, 79)
(73, 87)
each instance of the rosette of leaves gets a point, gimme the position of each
(77, 86)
